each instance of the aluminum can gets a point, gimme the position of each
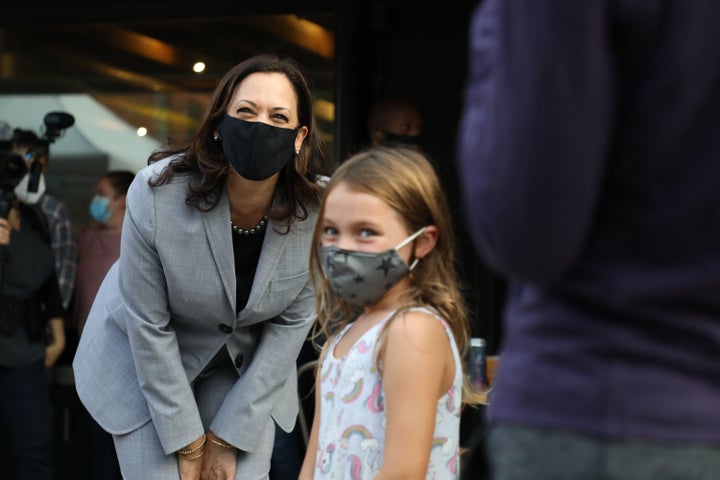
(477, 364)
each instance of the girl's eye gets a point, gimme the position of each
(366, 233)
(329, 232)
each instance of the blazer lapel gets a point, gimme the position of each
(217, 228)
(273, 247)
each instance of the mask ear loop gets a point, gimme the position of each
(408, 240)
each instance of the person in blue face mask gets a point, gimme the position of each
(99, 243)
(98, 249)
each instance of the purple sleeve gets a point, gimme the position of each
(534, 132)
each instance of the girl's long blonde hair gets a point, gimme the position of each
(404, 178)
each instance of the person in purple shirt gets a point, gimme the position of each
(589, 150)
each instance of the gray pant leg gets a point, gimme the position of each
(519, 453)
(659, 461)
(516, 453)
(141, 456)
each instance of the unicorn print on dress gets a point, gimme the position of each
(325, 460)
(354, 421)
(363, 346)
(355, 468)
(453, 465)
(376, 400)
(367, 466)
(373, 453)
(450, 401)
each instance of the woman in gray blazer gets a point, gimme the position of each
(188, 353)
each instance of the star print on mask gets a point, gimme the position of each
(387, 263)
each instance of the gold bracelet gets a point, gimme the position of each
(220, 443)
(187, 457)
(190, 451)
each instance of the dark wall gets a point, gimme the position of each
(399, 48)
(406, 49)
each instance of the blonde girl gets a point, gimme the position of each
(390, 383)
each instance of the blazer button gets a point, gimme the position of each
(225, 328)
(239, 361)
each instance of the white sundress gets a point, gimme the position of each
(351, 433)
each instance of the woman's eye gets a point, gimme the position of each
(280, 117)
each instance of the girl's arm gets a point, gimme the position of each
(308, 466)
(418, 368)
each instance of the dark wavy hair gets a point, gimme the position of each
(297, 186)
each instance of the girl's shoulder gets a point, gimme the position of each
(423, 314)
(419, 326)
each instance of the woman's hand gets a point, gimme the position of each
(53, 351)
(220, 459)
(190, 468)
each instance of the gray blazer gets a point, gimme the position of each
(167, 307)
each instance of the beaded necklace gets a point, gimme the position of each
(250, 231)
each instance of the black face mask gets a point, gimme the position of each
(256, 150)
(396, 139)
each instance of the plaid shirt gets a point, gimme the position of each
(64, 244)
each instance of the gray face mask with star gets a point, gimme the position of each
(362, 278)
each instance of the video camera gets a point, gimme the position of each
(13, 167)
(12, 170)
(54, 124)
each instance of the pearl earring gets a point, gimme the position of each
(297, 152)
(216, 138)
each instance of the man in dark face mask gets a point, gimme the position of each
(394, 121)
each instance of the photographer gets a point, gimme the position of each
(31, 190)
(29, 302)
